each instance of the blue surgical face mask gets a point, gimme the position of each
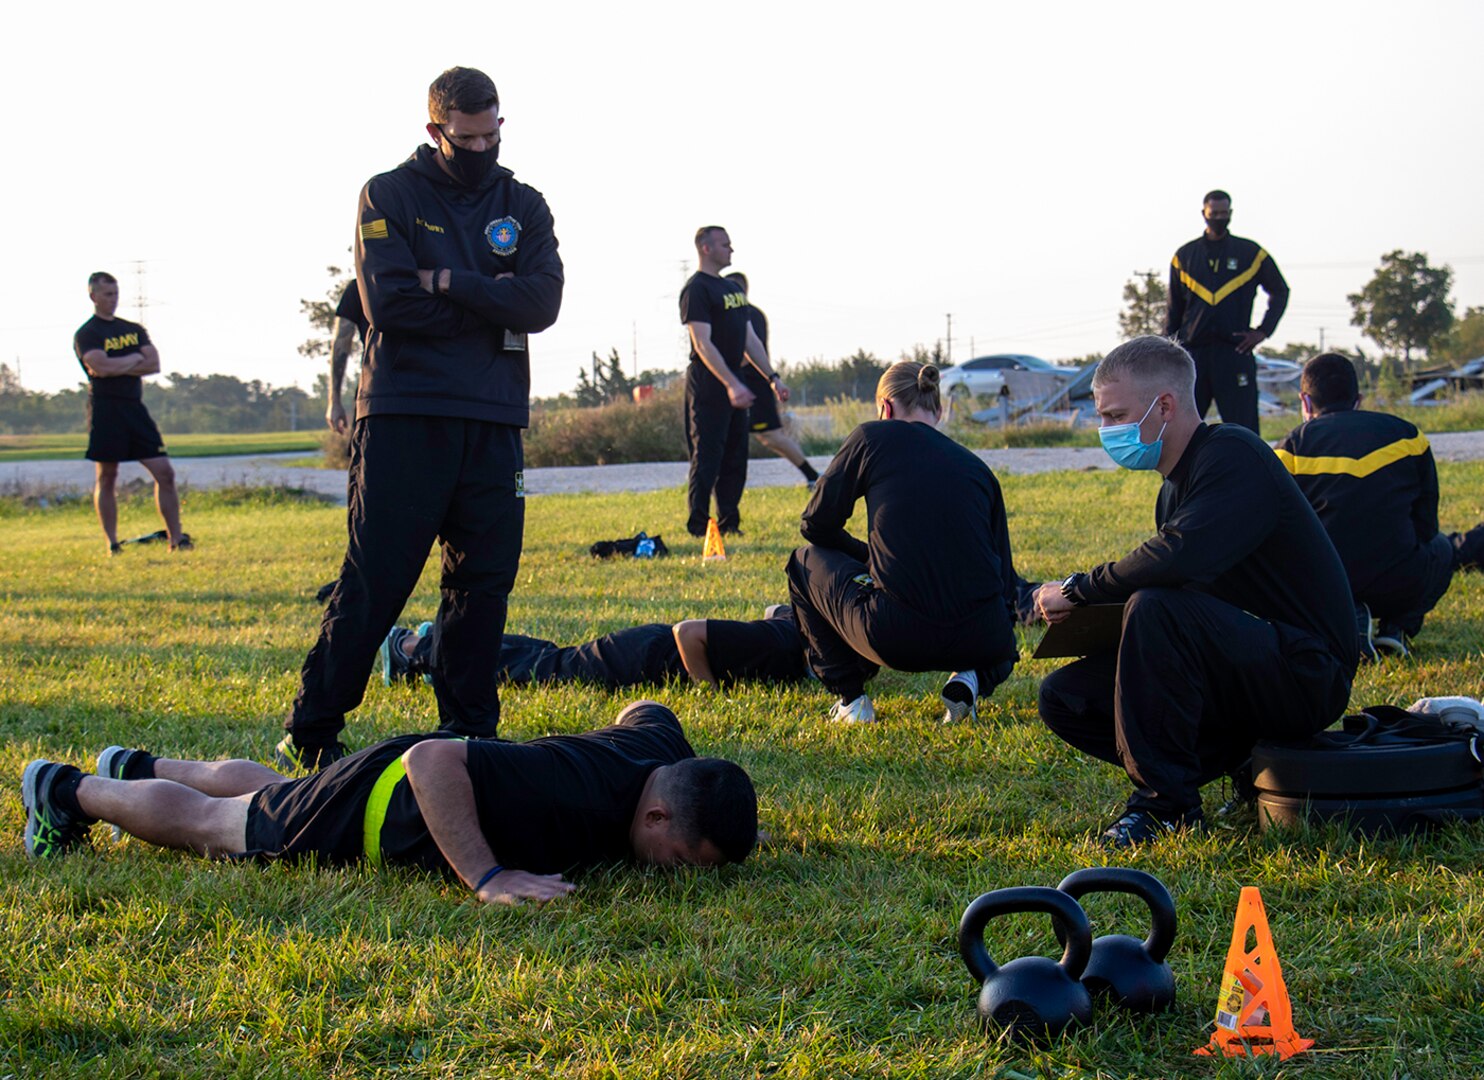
(1123, 445)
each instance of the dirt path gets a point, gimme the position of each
(270, 470)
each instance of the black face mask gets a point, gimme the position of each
(1218, 226)
(471, 168)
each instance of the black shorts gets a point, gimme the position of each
(763, 416)
(322, 815)
(120, 429)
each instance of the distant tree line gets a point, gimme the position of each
(218, 404)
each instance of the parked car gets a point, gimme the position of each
(984, 375)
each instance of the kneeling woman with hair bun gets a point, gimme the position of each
(932, 588)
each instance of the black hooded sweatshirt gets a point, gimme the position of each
(463, 353)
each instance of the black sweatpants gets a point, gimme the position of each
(1408, 591)
(1230, 378)
(716, 443)
(851, 629)
(1193, 684)
(414, 479)
(629, 657)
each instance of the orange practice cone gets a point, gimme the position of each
(1253, 1015)
(714, 548)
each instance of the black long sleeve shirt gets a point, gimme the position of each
(1372, 480)
(937, 537)
(462, 353)
(1213, 284)
(1233, 524)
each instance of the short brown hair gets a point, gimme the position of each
(704, 233)
(101, 277)
(461, 89)
(911, 385)
(1330, 382)
(1158, 363)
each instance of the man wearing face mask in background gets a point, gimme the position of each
(1213, 282)
(1237, 622)
(457, 262)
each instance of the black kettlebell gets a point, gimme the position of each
(1129, 971)
(1034, 996)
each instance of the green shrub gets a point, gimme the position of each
(608, 434)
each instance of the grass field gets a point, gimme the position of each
(829, 954)
(51, 447)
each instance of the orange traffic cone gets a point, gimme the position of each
(714, 549)
(1253, 1015)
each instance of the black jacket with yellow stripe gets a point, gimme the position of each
(1371, 478)
(1212, 286)
(461, 353)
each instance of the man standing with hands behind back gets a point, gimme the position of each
(457, 262)
(722, 340)
(1213, 281)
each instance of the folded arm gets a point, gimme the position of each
(527, 300)
(102, 366)
(392, 294)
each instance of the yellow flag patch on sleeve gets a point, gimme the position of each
(374, 230)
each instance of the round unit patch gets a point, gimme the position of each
(503, 235)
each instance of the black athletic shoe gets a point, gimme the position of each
(50, 830)
(115, 548)
(295, 758)
(1390, 639)
(1368, 653)
(1141, 826)
(396, 665)
(114, 762)
(184, 543)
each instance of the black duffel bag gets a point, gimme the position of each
(1384, 771)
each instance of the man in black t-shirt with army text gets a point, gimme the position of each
(507, 819)
(116, 354)
(722, 341)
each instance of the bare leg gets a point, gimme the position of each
(167, 498)
(782, 445)
(168, 814)
(105, 500)
(219, 779)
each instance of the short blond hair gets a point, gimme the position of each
(1156, 363)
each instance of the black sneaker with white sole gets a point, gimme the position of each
(960, 696)
(50, 830)
(1390, 639)
(1141, 826)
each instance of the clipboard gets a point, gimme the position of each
(1087, 630)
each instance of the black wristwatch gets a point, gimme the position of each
(773, 377)
(1069, 589)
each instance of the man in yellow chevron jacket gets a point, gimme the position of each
(1371, 479)
(1213, 281)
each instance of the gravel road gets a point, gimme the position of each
(270, 470)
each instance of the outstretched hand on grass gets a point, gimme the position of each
(514, 887)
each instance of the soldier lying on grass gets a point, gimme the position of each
(507, 819)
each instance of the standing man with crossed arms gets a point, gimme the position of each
(1213, 281)
(722, 341)
(457, 262)
(116, 354)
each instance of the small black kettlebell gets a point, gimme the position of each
(1130, 972)
(1034, 996)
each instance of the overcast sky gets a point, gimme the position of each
(878, 165)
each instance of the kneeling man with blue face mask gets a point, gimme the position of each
(1237, 623)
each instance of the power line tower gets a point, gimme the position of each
(141, 287)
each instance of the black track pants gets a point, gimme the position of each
(1193, 684)
(1408, 591)
(1230, 378)
(851, 629)
(414, 480)
(716, 442)
(630, 657)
